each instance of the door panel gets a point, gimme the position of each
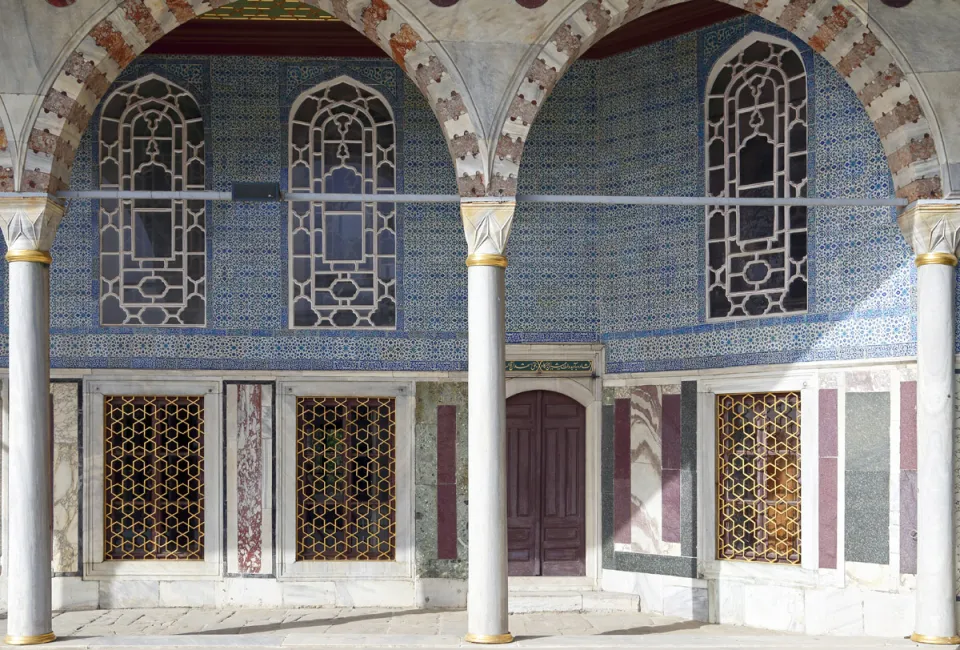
(563, 536)
(523, 486)
(546, 454)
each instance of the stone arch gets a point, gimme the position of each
(114, 42)
(829, 27)
(562, 385)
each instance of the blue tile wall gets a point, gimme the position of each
(652, 294)
(628, 276)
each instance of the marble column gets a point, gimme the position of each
(932, 229)
(487, 227)
(29, 225)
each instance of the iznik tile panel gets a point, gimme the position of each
(631, 277)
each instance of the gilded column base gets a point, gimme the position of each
(935, 640)
(30, 640)
(489, 638)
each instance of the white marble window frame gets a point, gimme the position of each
(288, 567)
(807, 573)
(94, 564)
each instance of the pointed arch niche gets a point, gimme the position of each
(343, 255)
(756, 124)
(152, 251)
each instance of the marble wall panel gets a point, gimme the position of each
(642, 533)
(651, 426)
(829, 465)
(447, 482)
(867, 478)
(65, 400)
(908, 477)
(440, 405)
(249, 464)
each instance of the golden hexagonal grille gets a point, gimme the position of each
(758, 477)
(346, 464)
(153, 478)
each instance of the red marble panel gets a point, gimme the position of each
(828, 423)
(828, 513)
(670, 504)
(670, 428)
(908, 425)
(447, 482)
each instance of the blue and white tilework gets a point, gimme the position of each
(652, 297)
(631, 277)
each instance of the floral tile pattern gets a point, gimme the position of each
(628, 276)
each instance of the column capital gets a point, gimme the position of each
(29, 225)
(486, 225)
(932, 228)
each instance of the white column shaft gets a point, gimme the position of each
(31, 465)
(935, 604)
(487, 586)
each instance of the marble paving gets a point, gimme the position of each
(375, 628)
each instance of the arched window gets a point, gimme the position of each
(342, 254)
(756, 146)
(152, 251)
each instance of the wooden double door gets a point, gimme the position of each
(546, 495)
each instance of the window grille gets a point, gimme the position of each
(152, 251)
(343, 254)
(758, 477)
(346, 482)
(756, 140)
(153, 478)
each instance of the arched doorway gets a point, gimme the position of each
(546, 485)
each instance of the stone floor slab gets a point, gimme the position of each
(331, 628)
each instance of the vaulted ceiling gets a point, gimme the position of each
(289, 28)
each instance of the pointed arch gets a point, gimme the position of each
(829, 27)
(114, 42)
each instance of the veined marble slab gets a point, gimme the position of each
(646, 471)
(66, 477)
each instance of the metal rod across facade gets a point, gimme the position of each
(453, 198)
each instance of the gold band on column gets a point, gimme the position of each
(935, 640)
(43, 257)
(486, 259)
(947, 259)
(30, 640)
(489, 638)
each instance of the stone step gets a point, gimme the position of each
(526, 601)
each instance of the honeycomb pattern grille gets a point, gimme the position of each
(153, 478)
(346, 487)
(758, 477)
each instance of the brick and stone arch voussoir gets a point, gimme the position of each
(828, 26)
(114, 42)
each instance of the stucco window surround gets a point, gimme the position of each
(94, 563)
(756, 123)
(288, 567)
(153, 252)
(343, 255)
(806, 573)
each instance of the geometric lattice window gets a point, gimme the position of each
(343, 254)
(758, 477)
(153, 478)
(756, 139)
(152, 251)
(346, 478)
